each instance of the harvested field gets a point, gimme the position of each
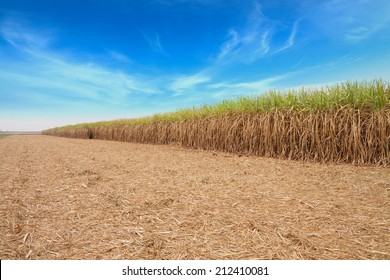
(93, 199)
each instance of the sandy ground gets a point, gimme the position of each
(91, 199)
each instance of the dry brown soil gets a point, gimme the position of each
(91, 199)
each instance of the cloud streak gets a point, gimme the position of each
(254, 85)
(249, 43)
(119, 57)
(255, 40)
(291, 39)
(41, 75)
(228, 46)
(351, 21)
(185, 83)
(24, 38)
(154, 43)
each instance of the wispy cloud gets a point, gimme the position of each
(154, 42)
(227, 90)
(48, 79)
(357, 34)
(228, 46)
(255, 40)
(253, 85)
(249, 43)
(24, 38)
(365, 31)
(119, 57)
(291, 39)
(72, 81)
(43, 74)
(349, 20)
(186, 83)
(337, 63)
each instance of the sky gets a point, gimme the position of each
(75, 61)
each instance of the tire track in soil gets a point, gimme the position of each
(81, 199)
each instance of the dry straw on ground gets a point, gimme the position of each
(77, 199)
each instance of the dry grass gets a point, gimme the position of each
(347, 135)
(347, 122)
(76, 199)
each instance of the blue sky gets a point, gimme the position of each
(65, 62)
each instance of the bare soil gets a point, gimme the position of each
(91, 199)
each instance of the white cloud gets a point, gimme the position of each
(74, 80)
(291, 39)
(227, 90)
(185, 83)
(261, 84)
(265, 43)
(119, 57)
(24, 38)
(349, 20)
(41, 74)
(154, 43)
(255, 40)
(256, 85)
(250, 43)
(228, 46)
